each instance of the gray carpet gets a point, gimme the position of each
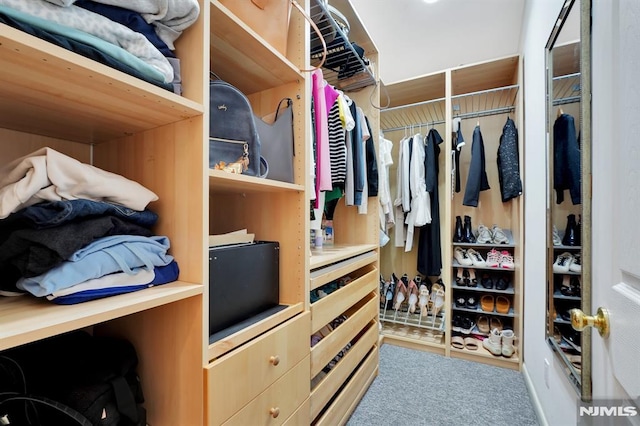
(419, 388)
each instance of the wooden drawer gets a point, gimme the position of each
(331, 383)
(238, 377)
(365, 280)
(358, 317)
(348, 398)
(275, 405)
(301, 416)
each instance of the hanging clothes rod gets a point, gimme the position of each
(414, 104)
(564, 101)
(484, 92)
(476, 114)
(562, 77)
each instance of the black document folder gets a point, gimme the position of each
(244, 281)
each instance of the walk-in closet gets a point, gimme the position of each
(471, 248)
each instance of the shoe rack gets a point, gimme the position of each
(486, 94)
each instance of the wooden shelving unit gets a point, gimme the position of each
(485, 93)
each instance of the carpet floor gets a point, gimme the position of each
(420, 388)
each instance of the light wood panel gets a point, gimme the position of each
(349, 396)
(227, 344)
(169, 161)
(14, 145)
(415, 90)
(329, 385)
(74, 97)
(357, 318)
(27, 319)
(278, 402)
(327, 274)
(326, 309)
(235, 46)
(486, 75)
(168, 341)
(257, 363)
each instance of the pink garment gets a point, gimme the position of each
(323, 164)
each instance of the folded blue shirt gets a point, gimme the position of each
(104, 256)
(162, 275)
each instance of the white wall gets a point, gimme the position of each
(556, 397)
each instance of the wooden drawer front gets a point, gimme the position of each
(301, 416)
(347, 400)
(241, 375)
(275, 405)
(330, 384)
(328, 308)
(330, 345)
(329, 273)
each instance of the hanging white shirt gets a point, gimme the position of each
(420, 213)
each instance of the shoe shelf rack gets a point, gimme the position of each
(484, 94)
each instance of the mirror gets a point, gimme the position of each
(568, 208)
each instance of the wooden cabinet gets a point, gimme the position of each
(484, 95)
(52, 97)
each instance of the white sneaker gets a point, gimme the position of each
(562, 263)
(576, 264)
(484, 235)
(508, 349)
(493, 343)
(506, 260)
(499, 237)
(493, 259)
(462, 257)
(476, 258)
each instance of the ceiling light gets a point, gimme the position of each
(430, 1)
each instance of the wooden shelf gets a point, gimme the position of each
(235, 46)
(479, 288)
(26, 319)
(220, 181)
(76, 98)
(337, 253)
(482, 355)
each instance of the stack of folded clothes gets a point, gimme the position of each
(133, 36)
(72, 232)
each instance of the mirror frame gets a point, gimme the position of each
(582, 386)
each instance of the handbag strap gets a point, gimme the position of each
(64, 409)
(315, 28)
(289, 102)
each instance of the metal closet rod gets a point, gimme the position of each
(475, 114)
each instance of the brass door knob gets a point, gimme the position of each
(580, 321)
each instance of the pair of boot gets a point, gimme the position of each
(500, 343)
(572, 233)
(463, 233)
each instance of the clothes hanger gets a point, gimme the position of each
(560, 112)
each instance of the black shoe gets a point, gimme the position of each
(502, 283)
(570, 237)
(472, 302)
(486, 281)
(467, 232)
(457, 234)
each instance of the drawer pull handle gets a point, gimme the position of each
(275, 412)
(275, 360)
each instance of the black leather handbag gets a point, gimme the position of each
(234, 143)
